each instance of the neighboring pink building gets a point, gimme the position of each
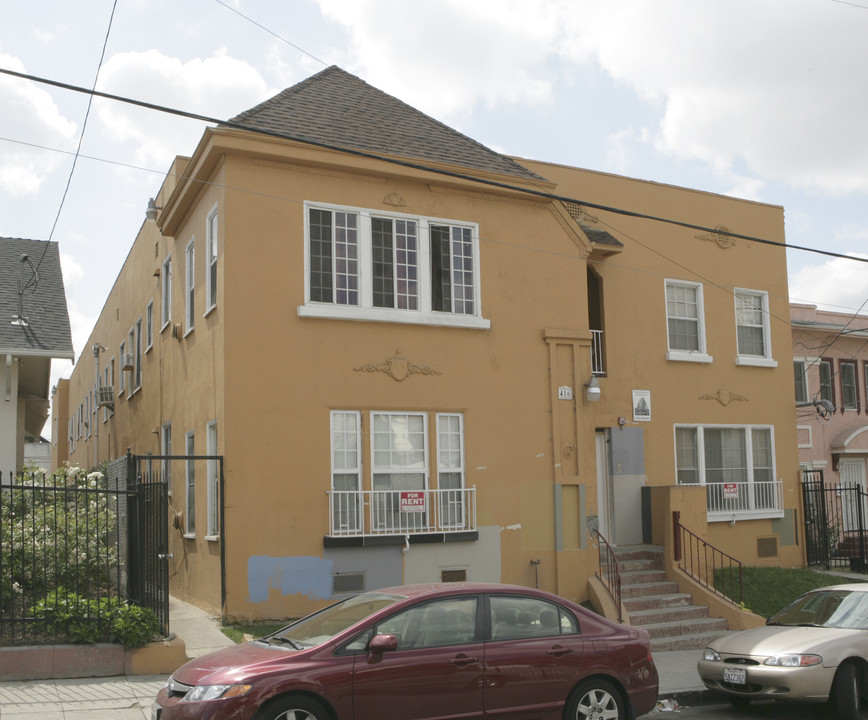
(830, 357)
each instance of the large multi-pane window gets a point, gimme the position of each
(752, 326)
(401, 497)
(211, 237)
(827, 389)
(800, 374)
(735, 463)
(389, 266)
(685, 323)
(849, 385)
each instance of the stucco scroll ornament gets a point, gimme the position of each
(398, 367)
(394, 199)
(724, 397)
(719, 237)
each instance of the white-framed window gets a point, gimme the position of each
(800, 375)
(753, 335)
(213, 470)
(108, 375)
(166, 449)
(149, 326)
(166, 293)
(136, 346)
(190, 484)
(122, 377)
(849, 385)
(190, 283)
(212, 245)
(87, 422)
(736, 464)
(397, 494)
(685, 321)
(391, 267)
(346, 453)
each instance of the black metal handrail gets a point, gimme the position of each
(702, 561)
(609, 572)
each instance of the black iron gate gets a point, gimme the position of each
(836, 523)
(143, 520)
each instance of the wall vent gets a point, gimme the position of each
(453, 575)
(767, 547)
(348, 582)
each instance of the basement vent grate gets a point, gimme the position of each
(348, 582)
(767, 547)
(453, 576)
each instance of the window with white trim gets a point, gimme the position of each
(401, 496)
(213, 469)
(190, 485)
(166, 449)
(166, 292)
(752, 328)
(735, 463)
(136, 343)
(849, 385)
(374, 265)
(211, 243)
(800, 374)
(685, 321)
(190, 283)
(149, 326)
(122, 377)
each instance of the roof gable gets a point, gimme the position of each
(338, 109)
(43, 302)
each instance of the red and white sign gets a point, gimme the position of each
(730, 490)
(413, 501)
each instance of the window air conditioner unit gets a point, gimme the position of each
(105, 395)
(128, 362)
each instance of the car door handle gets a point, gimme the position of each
(463, 660)
(558, 650)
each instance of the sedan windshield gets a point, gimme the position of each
(827, 608)
(323, 626)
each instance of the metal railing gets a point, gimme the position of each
(609, 571)
(720, 573)
(597, 365)
(401, 512)
(745, 497)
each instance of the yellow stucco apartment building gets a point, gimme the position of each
(421, 360)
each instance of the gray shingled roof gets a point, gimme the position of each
(47, 333)
(338, 109)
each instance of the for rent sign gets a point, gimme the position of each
(413, 501)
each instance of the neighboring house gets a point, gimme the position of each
(34, 329)
(420, 360)
(830, 361)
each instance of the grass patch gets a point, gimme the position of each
(237, 631)
(769, 590)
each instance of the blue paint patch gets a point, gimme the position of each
(309, 576)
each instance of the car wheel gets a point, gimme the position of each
(294, 707)
(847, 692)
(595, 699)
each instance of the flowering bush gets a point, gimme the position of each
(56, 531)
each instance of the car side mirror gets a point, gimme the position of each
(381, 643)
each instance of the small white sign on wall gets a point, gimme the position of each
(641, 406)
(565, 392)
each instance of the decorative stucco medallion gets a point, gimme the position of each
(398, 367)
(724, 397)
(720, 237)
(394, 199)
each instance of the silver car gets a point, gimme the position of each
(813, 650)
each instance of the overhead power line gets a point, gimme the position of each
(419, 166)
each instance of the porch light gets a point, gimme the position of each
(592, 389)
(151, 211)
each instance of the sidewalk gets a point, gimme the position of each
(130, 697)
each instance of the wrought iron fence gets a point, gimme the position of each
(836, 523)
(609, 571)
(720, 573)
(60, 558)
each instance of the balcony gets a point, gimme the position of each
(743, 500)
(371, 513)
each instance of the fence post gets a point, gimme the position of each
(676, 534)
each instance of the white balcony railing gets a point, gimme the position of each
(745, 498)
(401, 512)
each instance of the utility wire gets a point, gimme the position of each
(420, 166)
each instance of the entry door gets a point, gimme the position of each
(604, 488)
(853, 476)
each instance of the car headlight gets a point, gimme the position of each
(213, 692)
(711, 655)
(793, 660)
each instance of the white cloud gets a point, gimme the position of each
(31, 118)
(218, 86)
(837, 284)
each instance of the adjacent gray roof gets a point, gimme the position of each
(338, 109)
(43, 305)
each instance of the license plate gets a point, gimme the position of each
(736, 676)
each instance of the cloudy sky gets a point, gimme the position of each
(760, 99)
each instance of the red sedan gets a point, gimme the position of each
(457, 650)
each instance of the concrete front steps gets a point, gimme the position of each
(654, 603)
